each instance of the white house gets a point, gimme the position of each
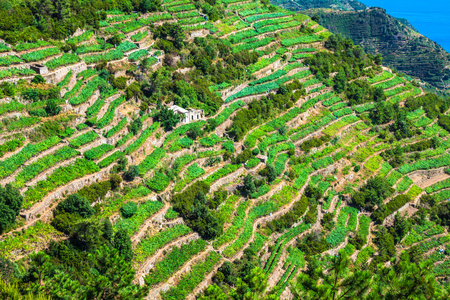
(188, 115)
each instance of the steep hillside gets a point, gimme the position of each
(309, 4)
(297, 153)
(402, 47)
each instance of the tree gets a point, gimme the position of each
(128, 209)
(202, 220)
(340, 81)
(407, 281)
(122, 243)
(167, 118)
(8, 270)
(249, 185)
(383, 113)
(134, 90)
(52, 108)
(115, 181)
(10, 205)
(339, 281)
(131, 173)
(75, 204)
(150, 6)
(136, 126)
(38, 79)
(116, 39)
(316, 18)
(194, 133)
(272, 175)
(214, 292)
(372, 193)
(401, 227)
(378, 59)
(107, 230)
(13, 292)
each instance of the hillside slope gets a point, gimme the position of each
(310, 4)
(306, 155)
(402, 47)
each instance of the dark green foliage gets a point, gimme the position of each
(441, 213)
(312, 244)
(122, 243)
(258, 111)
(311, 215)
(194, 133)
(372, 193)
(219, 197)
(40, 94)
(314, 142)
(108, 230)
(65, 222)
(38, 79)
(193, 207)
(115, 181)
(95, 191)
(340, 82)
(8, 270)
(119, 83)
(52, 108)
(444, 122)
(82, 266)
(39, 112)
(358, 241)
(150, 6)
(314, 193)
(243, 157)
(359, 91)
(385, 210)
(401, 127)
(136, 126)
(131, 173)
(75, 204)
(128, 209)
(386, 244)
(121, 165)
(401, 227)
(291, 217)
(271, 173)
(10, 205)
(167, 118)
(172, 31)
(202, 220)
(249, 185)
(347, 59)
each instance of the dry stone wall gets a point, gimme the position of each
(73, 187)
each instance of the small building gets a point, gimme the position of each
(262, 158)
(39, 69)
(188, 115)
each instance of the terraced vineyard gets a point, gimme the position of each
(307, 154)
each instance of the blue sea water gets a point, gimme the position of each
(431, 18)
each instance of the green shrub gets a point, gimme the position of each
(128, 209)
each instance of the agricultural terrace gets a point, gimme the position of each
(309, 150)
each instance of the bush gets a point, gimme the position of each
(159, 182)
(10, 205)
(131, 173)
(38, 79)
(75, 204)
(128, 209)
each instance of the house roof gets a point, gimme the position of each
(178, 109)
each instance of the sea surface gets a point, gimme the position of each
(430, 17)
